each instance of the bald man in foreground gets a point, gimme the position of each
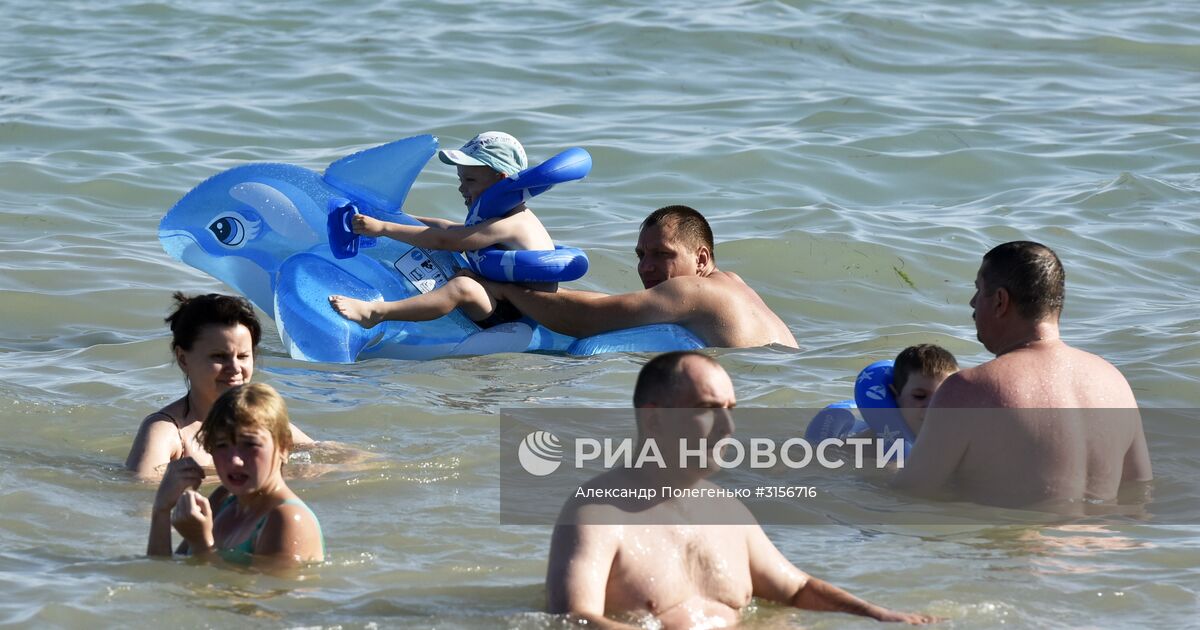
(682, 285)
(635, 560)
(1078, 435)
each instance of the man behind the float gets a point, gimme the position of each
(625, 558)
(678, 268)
(1052, 451)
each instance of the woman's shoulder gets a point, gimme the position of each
(159, 426)
(156, 442)
(168, 414)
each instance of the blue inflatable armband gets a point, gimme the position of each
(873, 393)
(561, 264)
(838, 420)
(506, 194)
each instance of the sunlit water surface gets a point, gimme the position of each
(856, 159)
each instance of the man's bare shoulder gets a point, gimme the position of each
(1057, 376)
(1095, 362)
(682, 284)
(969, 388)
(579, 510)
(592, 505)
(1016, 380)
(728, 279)
(1105, 384)
(594, 521)
(687, 297)
(731, 275)
(725, 311)
(715, 289)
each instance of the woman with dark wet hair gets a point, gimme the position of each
(214, 338)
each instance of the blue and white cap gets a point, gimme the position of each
(493, 149)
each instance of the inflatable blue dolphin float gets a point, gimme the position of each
(276, 234)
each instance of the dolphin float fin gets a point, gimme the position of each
(382, 176)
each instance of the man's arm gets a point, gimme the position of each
(930, 465)
(1137, 458)
(581, 558)
(580, 314)
(777, 579)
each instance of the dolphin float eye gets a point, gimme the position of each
(228, 230)
(233, 230)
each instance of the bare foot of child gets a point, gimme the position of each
(357, 311)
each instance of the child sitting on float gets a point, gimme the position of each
(487, 159)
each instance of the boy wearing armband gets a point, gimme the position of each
(917, 373)
(488, 158)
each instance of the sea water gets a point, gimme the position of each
(856, 160)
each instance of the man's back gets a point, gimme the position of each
(1043, 375)
(726, 312)
(1026, 457)
(1043, 423)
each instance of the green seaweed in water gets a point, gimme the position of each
(904, 277)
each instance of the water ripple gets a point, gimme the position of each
(856, 159)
